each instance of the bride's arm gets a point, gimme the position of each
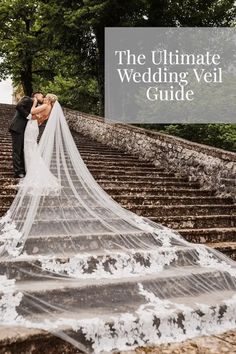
(35, 110)
(41, 120)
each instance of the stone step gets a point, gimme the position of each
(174, 210)
(99, 163)
(169, 200)
(228, 248)
(147, 192)
(110, 158)
(57, 242)
(7, 172)
(6, 154)
(6, 148)
(6, 138)
(107, 183)
(3, 209)
(95, 148)
(13, 339)
(144, 179)
(131, 172)
(224, 202)
(54, 241)
(128, 201)
(129, 179)
(6, 199)
(130, 184)
(106, 153)
(10, 187)
(196, 221)
(114, 293)
(185, 221)
(109, 154)
(142, 210)
(86, 142)
(210, 235)
(102, 164)
(4, 179)
(114, 165)
(109, 262)
(132, 168)
(92, 150)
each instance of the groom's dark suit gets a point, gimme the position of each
(17, 130)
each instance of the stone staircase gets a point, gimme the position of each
(165, 197)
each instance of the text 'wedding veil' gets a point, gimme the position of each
(76, 263)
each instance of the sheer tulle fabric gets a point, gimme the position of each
(74, 262)
(39, 179)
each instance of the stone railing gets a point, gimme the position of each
(213, 168)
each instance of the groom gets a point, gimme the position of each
(17, 130)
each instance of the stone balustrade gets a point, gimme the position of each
(212, 167)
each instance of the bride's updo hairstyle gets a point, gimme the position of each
(53, 98)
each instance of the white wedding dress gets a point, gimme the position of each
(39, 179)
(76, 263)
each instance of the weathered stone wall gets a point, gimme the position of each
(214, 168)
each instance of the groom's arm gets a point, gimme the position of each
(24, 107)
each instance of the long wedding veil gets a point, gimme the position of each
(79, 265)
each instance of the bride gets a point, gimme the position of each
(76, 263)
(38, 177)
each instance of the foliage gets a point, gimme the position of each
(43, 40)
(25, 43)
(58, 45)
(80, 95)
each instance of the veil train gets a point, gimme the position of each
(78, 264)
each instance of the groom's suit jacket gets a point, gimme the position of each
(19, 120)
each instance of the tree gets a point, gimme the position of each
(59, 44)
(190, 13)
(75, 79)
(24, 42)
(80, 26)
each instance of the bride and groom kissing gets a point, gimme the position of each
(28, 162)
(24, 128)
